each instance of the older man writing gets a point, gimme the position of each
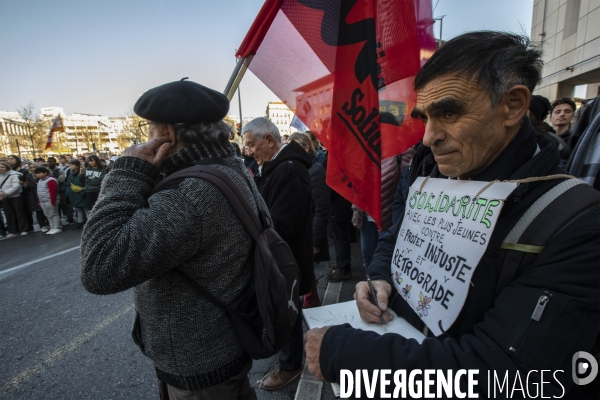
(473, 96)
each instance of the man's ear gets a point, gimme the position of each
(270, 140)
(517, 103)
(172, 135)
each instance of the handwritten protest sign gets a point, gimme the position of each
(445, 231)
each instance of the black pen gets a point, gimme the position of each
(374, 294)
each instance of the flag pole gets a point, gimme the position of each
(234, 74)
(237, 77)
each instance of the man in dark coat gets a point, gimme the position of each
(473, 95)
(284, 183)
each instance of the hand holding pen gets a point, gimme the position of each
(371, 311)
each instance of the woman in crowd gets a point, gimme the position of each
(10, 195)
(33, 201)
(17, 165)
(320, 197)
(92, 175)
(76, 192)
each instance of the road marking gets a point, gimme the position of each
(26, 375)
(37, 261)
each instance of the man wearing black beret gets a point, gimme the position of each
(194, 348)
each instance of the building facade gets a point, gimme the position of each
(278, 113)
(87, 133)
(84, 134)
(569, 33)
(14, 135)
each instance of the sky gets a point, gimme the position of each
(99, 56)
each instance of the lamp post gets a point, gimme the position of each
(441, 19)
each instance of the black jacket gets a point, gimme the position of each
(30, 192)
(251, 163)
(341, 209)
(487, 327)
(284, 183)
(321, 203)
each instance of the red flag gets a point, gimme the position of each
(259, 28)
(57, 126)
(346, 68)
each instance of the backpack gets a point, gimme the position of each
(542, 222)
(264, 314)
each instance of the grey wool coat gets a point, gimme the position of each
(189, 226)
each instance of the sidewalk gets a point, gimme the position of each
(310, 391)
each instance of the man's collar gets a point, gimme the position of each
(272, 158)
(278, 151)
(191, 153)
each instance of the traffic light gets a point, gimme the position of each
(239, 129)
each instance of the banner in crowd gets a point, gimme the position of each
(298, 124)
(57, 126)
(446, 229)
(346, 69)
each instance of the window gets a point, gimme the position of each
(571, 18)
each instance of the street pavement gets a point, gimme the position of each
(58, 341)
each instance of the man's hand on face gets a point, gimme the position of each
(154, 151)
(364, 301)
(314, 338)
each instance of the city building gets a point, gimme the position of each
(14, 135)
(84, 133)
(569, 33)
(278, 113)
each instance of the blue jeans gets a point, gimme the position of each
(368, 240)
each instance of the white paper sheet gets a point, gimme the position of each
(347, 312)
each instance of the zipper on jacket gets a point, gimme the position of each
(540, 307)
(538, 310)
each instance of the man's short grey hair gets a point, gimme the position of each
(495, 60)
(260, 127)
(204, 132)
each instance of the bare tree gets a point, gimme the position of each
(125, 139)
(87, 134)
(131, 128)
(37, 128)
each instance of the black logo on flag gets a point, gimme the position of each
(335, 31)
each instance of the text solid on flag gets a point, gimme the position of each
(346, 69)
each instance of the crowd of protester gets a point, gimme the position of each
(521, 136)
(48, 190)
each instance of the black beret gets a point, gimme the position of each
(182, 102)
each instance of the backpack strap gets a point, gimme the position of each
(4, 181)
(230, 190)
(541, 223)
(200, 289)
(236, 199)
(225, 163)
